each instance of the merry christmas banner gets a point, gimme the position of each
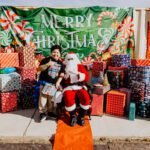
(101, 31)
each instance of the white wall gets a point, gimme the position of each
(141, 18)
(76, 3)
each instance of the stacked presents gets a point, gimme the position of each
(10, 81)
(139, 82)
(128, 89)
(28, 76)
(100, 87)
(17, 76)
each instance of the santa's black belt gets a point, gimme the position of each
(78, 83)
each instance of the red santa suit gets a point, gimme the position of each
(76, 77)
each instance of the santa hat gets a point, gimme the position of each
(73, 56)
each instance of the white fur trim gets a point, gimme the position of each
(72, 87)
(71, 108)
(81, 76)
(85, 107)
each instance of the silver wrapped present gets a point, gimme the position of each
(10, 82)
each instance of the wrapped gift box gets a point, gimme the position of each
(8, 101)
(143, 108)
(10, 82)
(115, 78)
(133, 73)
(94, 80)
(117, 68)
(26, 100)
(97, 105)
(132, 110)
(125, 73)
(147, 91)
(100, 89)
(121, 60)
(140, 62)
(139, 73)
(97, 67)
(28, 75)
(137, 91)
(9, 60)
(128, 97)
(115, 103)
(26, 56)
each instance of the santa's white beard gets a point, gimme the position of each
(71, 67)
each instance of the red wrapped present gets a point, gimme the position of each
(140, 62)
(9, 60)
(100, 89)
(28, 75)
(8, 101)
(97, 105)
(115, 103)
(26, 56)
(117, 68)
(97, 67)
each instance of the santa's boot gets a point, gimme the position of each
(73, 118)
(80, 119)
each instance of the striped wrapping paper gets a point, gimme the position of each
(9, 60)
(119, 60)
(8, 101)
(10, 82)
(140, 62)
(26, 57)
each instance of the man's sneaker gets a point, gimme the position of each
(52, 115)
(73, 120)
(43, 117)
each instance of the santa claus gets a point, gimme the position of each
(75, 79)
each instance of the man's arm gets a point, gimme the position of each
(61, 76)
(45, 66)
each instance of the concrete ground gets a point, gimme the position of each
(23, 126)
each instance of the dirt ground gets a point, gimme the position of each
(99, 144)
(108, 146)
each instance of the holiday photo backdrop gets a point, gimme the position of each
(101, 31)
